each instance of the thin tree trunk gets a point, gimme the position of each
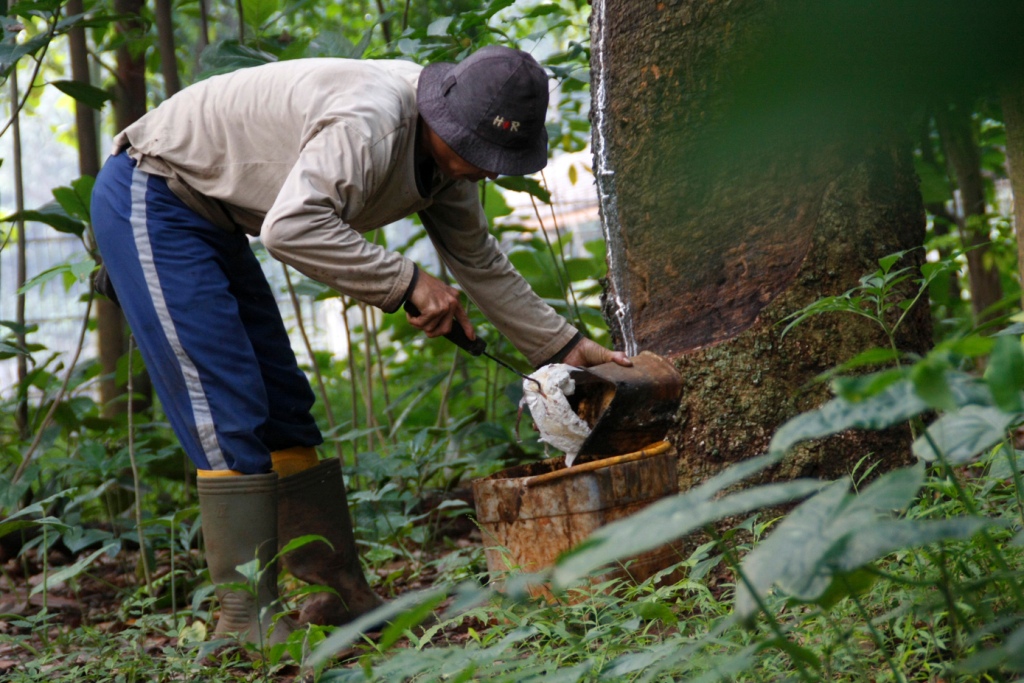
(131, 67)
(385, 24)
(943, 220)
(85, 117)
(1013, 118)
(964, 159)
(110, 324)
(21, 412)
(165, 38)
(204, 29)
(109, 321)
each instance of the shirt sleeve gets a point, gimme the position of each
(307, 226)
(457, 226)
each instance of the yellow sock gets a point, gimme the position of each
(213, 474)
(293, 460)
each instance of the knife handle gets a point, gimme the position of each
(456, 335)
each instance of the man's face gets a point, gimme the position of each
(450, 163)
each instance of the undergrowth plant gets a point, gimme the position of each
(917, 576)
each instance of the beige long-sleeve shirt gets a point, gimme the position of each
(310, 155)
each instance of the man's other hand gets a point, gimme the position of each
(439, 307)
(589, 353)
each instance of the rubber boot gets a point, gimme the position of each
(239, 525)
(313, 502)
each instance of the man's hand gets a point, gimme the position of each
(439, 306)
(589, 353)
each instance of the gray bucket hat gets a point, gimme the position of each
(489, 108)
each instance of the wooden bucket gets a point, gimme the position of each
(531, 514)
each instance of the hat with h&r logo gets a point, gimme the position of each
(489, 109)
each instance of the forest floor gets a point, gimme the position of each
(95, 605)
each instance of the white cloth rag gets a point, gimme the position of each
(558, 424)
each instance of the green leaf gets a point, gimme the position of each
(225, 56)
(668, 520)
(963, 434)
(886, 536)
(845, 585)
(10, 53)
(74, 570)
(1009, 654)
(88, 95)
(75, 200)
(409, 618)
(495, 205)
(837, 533)
(895, 404)
(874, 356)
(258, 12)
(1005, 373)
(861, 387)
(796, 652)
(524, 184)
(439, 27)
(934, 183)
(77, 272)
(52, 214)
(542, 10)
(651, 610)
(972, 346)
(887, 262)
(930, 383)
(349, 633)
(301, 541)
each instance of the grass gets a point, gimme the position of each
(921, 614)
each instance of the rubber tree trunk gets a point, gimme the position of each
(727, 207)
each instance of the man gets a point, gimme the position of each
(308, 155)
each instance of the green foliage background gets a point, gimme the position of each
(916, 575)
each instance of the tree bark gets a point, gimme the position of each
(85, 117)
(165, 39)
(131, 66)
(109, 320)
(964, 159)
(130, 105)
(726, 208)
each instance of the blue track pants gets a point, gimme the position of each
(205, 321)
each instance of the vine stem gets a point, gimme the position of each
(563, 281)
(568, 278)
(30, 453)
(352, 378)
(371, 416)
(136, 482)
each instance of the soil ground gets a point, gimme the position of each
(96, 599)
